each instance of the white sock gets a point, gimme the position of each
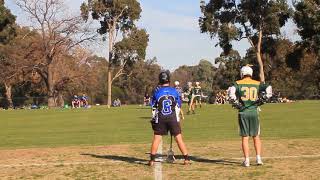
(247, 159)
(258, 157)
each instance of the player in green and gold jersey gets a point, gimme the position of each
(197, 94)
(246, 95)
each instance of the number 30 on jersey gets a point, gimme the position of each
(249, 93)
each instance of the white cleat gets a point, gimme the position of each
(259, 162)
(245, 164)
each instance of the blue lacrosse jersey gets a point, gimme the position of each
(180, 91)
(164, 100)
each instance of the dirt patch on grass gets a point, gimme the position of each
(212, 160)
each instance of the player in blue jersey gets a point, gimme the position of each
(180, 91)
(166, 105)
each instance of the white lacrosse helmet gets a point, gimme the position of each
(246, 70)
(197, 83)
(176, 83)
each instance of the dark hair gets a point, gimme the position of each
(164, 77)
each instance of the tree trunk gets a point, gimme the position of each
(60, 100)
(259, 57)
(109, 87)
(9, 95)
(261, 69)
(109, 93)
(50, 87)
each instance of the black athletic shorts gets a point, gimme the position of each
(163, 126)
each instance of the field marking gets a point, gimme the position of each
(158, 164)
(157, 169)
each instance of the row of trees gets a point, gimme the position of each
(49, 59)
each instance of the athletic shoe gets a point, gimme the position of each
(150, 163)
(245, 164)
(193, 112)
(259, 162)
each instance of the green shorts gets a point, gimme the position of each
(249, 124)
(197, 98)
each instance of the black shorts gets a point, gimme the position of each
(163, 126)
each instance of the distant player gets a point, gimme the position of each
(180, 91)
(197, 94)
(190, 93)
(146, 100)
(165, 104)
(244, 95)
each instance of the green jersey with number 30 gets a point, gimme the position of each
(247, 90)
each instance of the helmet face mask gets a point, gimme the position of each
(246, 71)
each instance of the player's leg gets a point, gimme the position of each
(193, 104)
(245, 150)
(181, 113)
(175, 130)
(189, 106)
(154, 147)
(244, 133)
(182, 148)
(159, 129)
(255, 133)
(257, 146)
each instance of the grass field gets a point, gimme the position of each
(112, 143)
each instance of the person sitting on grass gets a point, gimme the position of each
(75, 102)
(165, 103)
(84, 101)
(116, 103)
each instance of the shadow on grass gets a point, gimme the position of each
(149, 118)
(134, 160)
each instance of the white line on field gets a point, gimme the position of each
(286, 157)
(157, 164)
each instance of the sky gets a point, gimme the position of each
(173, 29)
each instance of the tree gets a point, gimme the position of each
(228, 71)
(254, 20)
(7, 24)
(114, 16)
(130, 49)
(307, 18)
(59, 34)
(16, 60)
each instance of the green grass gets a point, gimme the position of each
(130, 125)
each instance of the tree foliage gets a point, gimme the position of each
(232, 20)
(7, 24)
(307, 18)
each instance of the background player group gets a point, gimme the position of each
(246, 95)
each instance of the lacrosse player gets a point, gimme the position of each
(197, 94)
(246, 95)
(166, 105)
(190, 93)
(180, 91)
